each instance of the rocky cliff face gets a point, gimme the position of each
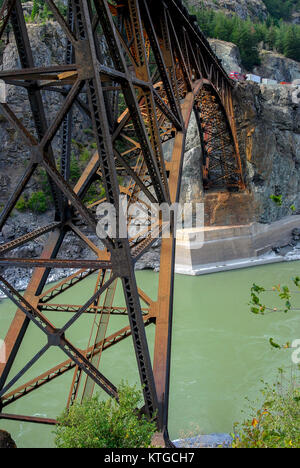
(269, 133)
(245, 9)
(48, 46)
(229, 54)
(273, 65)
(277, 67)
(296, 17)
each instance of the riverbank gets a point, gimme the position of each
(205, 441)
(200, 251)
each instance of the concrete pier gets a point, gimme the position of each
(219, 248)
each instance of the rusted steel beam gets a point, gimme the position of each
(6, 9)
(72, 308)
(65, 285)
(28, 419)
(175, 108)
(185, 19)
(135, 177)
(55, 338)
(20, 187)
(165, 109)
(37, 73)
(178, 48)
(75, 200)
(168, 62)
(55, 263)
(4, 248)
(34, 95)
(142, 70)
(98, 333)
(69, 101)
(62, 22)
(67, 128)
(68, 365)
(19, 325)
(130, 97)
(163, 336)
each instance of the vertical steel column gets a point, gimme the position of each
(121, 255)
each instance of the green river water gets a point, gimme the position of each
(220, 351)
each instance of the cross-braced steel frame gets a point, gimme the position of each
(137, 69)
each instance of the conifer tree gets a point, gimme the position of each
(292, 44)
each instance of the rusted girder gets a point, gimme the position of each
(136, 70)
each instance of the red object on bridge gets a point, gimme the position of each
(237, 76)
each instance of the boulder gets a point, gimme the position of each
(296, 234)
(8, 232)
(229, 54)
(6, 440)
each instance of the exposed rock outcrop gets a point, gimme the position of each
(23, 223)
(191, 185)
(48, 46)
(296, 17)
(252, 9)
(273, 65)
(269, 135)
(229, 54)
(277, 67)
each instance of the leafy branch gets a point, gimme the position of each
(284, 293)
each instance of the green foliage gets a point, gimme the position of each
(276, 424)
(21, 205)
(291, 43)
(106, 424)
(35, 9)
(96, 192)
(283, 293)
(38, 202)
(273, 344)
(231, 29)
(247, 35)
(256, 306)
(40, 11)
(75, 171)
(281, 9)
(43, 182)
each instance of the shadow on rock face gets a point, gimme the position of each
(6, 440)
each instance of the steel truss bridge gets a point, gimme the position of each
(137, 69)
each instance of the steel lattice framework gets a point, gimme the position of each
(152, 56)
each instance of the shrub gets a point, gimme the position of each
(21, 205)
(38, 202)
(106, 424)
(276, 424)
